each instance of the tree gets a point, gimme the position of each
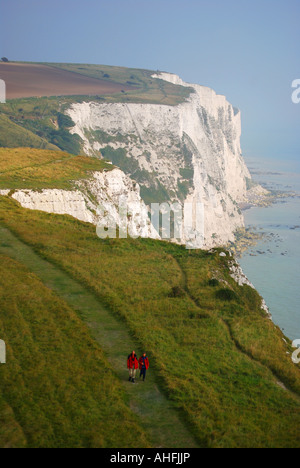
(4, 59)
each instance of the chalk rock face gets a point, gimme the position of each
(4, 192)
(239, 276)
(96, 200)
(186, 153)
(56, 201)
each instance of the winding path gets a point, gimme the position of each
(162, 421)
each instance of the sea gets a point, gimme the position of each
(273, 264)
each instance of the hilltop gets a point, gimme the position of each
(36, 80)
(39, 93)
(214, 352)
(179, 142)
(72, 305)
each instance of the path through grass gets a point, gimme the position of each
(161, 421)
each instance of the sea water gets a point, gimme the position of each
(273, 264)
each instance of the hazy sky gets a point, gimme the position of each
(246, 49)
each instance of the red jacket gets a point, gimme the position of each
(144, 360)
(132, 362)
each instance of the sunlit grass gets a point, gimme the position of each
(219, 360)
(28, 168)
(57, 388)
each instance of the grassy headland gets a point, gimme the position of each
(57, 388)
(39, 122)
(219, 357)
(216, 355)
(28, 168)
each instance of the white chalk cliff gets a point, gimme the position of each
(96, 200)
(188, 153)
(184, 153)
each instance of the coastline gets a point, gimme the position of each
(268, 248)
(248, 237)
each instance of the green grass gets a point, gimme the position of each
(35, 123)
(159, 420)
(23, 168)
(13, 135)
(149, 90)
(215, 355)
(220, 360)
(57, 388)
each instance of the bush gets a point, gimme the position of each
(64, 121)
(177, 291)
(251, 297)
(213, 282)
(226, 294)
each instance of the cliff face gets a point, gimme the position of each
(96, 200)
(187, 153)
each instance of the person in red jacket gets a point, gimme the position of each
(144, 366)
(132, 365)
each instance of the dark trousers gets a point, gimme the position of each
(143, 373)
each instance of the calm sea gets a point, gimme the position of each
(273, 265)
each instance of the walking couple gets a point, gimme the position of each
(133, 363)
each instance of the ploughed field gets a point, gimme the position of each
(36, 80)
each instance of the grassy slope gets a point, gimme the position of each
(23, 168)
(220, 360)
(160, 420)
(149, 90)
(37, 123)
(33, 122)
(13, 135)
(57, 389)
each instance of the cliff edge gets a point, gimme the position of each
(185, 153)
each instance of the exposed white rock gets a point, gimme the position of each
(201, 135)
(56, 201)
(93, 200)
(105, 191)
(239, 276)
(4, 192)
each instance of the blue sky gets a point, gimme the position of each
(247, 50)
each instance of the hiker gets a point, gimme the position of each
(144, 366)
(132, 364)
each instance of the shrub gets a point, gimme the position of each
(213, 282)
(226, 294)
(177, 291)
(251, 297)
(64, 121)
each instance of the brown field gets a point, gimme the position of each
(34, 80)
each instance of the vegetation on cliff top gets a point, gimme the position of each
(220, 359)
(35, 122)
(57, 388)
(24, 168)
